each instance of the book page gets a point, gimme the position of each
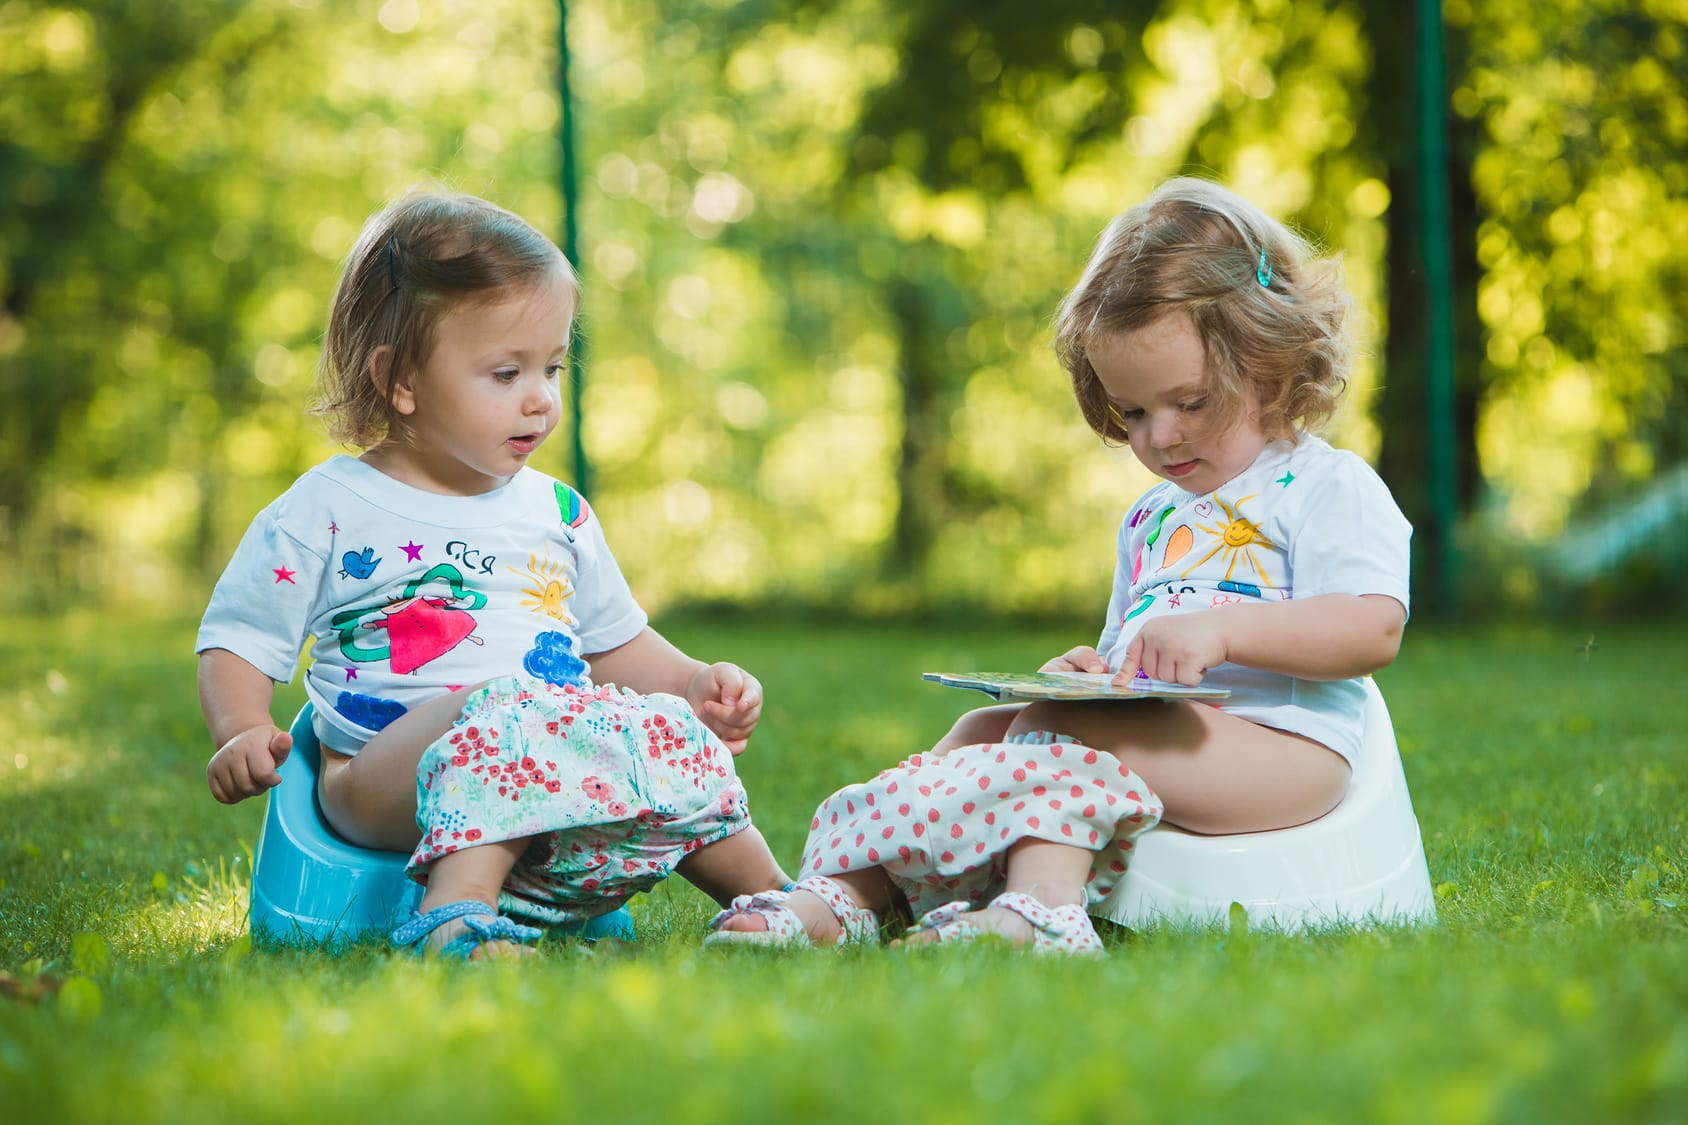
(1069, 685)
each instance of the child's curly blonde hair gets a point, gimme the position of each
(1270, 311)
(419, 257)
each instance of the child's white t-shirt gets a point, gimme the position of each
(1305, 519)
(405, 594)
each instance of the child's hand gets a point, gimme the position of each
(728, 700)
(245, 765)
(1081, 659)
(1178, 649)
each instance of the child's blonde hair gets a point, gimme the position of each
(1269, 310)
(416, 259)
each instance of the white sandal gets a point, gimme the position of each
(1055, 929)
(859, 924)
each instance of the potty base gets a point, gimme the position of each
(312, 888)
(1360, 864)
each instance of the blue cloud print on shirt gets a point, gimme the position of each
(552, 659)
(367, 711)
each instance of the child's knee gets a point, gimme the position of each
(985, 724)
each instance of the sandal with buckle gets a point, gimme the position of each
(413, 934)
(1055, 929)
(858, 924)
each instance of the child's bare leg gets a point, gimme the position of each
(472, 873)
(983, 724)
(870, 888)
(739, 865)
(1054, 874)
(370, 799)
(1216, 773)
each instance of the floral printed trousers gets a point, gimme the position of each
(613, 789)
(941, 826)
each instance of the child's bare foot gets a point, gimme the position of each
(468, 928)
(991, 920)
(483, 950)
(819, 922)
(1016, 916)
(816, 911)
(458, 915)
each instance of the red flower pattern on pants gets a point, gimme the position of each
(613, 789)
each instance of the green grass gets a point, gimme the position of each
(1550, 782)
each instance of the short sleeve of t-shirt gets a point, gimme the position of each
(269, 568)
(609, 614)
(1352, 537)
(403, 594)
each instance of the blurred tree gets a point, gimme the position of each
(1403, 405)
(1582, 108)
(821, 242)
(975, 80)
(998, 101)
(181, 194)
(77, 80)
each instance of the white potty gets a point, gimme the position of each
(1360, 863)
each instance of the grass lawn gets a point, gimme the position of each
(1550, 778)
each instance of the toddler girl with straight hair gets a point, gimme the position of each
(487, 692)
(1211, 340)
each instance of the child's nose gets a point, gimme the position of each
(542, 397)
(1165, 431)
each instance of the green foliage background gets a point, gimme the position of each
(821, 243)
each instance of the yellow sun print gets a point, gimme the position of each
(1237, 538)
(550, 588)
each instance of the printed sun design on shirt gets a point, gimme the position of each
(550, 589)
(1237, 537)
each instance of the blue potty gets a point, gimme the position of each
(310, 887)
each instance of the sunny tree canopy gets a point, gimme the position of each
(821, 243)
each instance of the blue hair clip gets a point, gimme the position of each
(1263, 271)
(392, 269)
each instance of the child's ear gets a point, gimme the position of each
(395, 389)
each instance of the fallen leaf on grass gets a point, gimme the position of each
(31, 990)
(80, 999)
(90, 954)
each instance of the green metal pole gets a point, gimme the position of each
(1437, 239)
(571, 244)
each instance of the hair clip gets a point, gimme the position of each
(1116, 418)
(392, 269)
(1263, 271)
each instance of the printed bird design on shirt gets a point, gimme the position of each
(359, 564)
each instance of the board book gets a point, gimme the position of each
(1006, 687)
